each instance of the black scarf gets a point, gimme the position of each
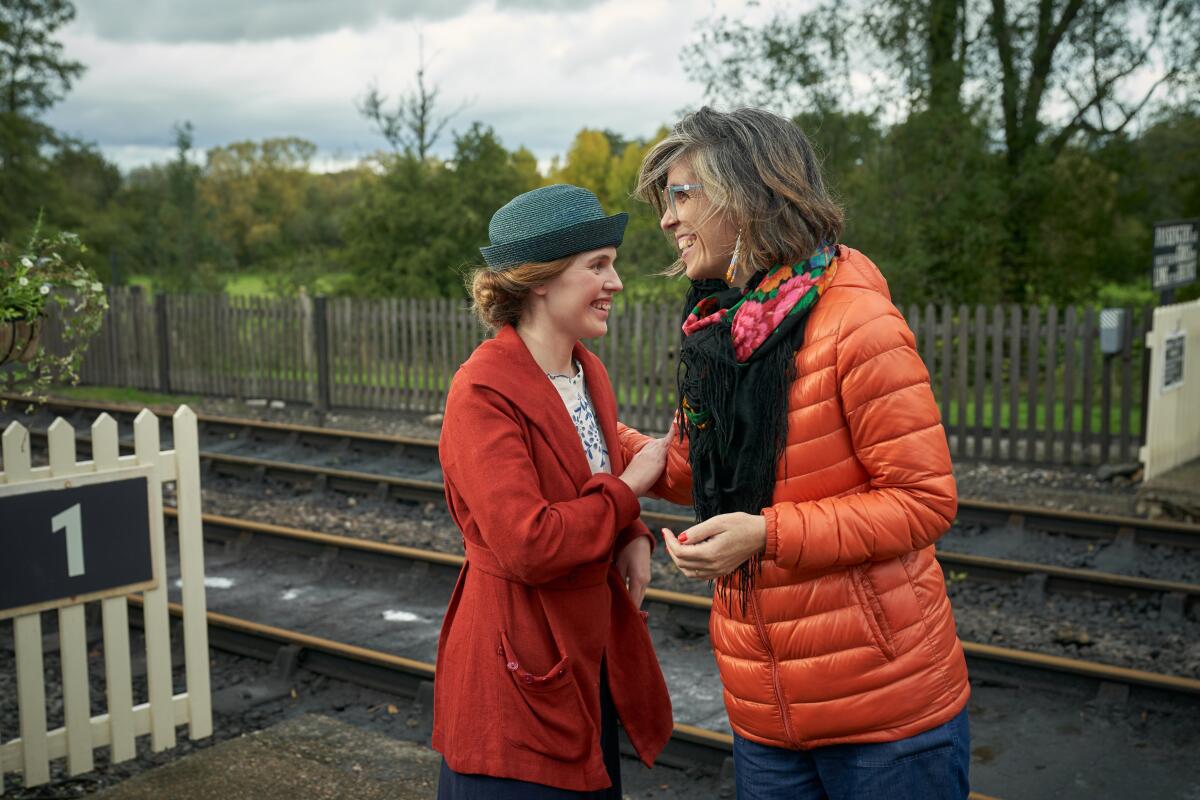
(734, 410)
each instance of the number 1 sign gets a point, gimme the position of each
(73, 539)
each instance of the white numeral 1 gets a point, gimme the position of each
(71, 520)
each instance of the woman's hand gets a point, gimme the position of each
(644, 469)
(633, 565)
(718, 545)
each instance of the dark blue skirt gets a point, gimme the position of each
(458, 786)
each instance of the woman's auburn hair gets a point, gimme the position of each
(761, 169)
(497, 298)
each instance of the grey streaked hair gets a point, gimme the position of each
(758, 167)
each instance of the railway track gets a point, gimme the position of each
(351, 648)
(1177, 598)
(248, 632)
(345, 444)
(236, 535)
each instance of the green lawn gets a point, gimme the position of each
(1060, 411)
(121, 394)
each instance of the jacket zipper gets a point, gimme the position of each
(762, 635)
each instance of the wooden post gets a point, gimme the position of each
(320, 338)
(1035, 332)
(1087, 349)
(27, 640)
(1148, 324)
(164, 344)
(1051, 340)
(1014, 383)
(72, 630)
(997, 377)
(1127, 383)
(1070, 355)
(118, 680)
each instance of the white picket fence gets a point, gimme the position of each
(31, 753)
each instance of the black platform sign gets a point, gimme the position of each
(68, 540)
(1174, 253)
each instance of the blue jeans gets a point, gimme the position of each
(929, 766)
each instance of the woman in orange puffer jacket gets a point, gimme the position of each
(819, 469)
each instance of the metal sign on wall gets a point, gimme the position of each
(1173, 352)
(1174, 256)
(74, 539)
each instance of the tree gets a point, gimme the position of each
(788, 63)
(174, 229)
(259, 196)
(1065, 72)
(417, 229)
(34, 75)
(415, 125)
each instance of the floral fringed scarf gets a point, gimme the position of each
(737, 360)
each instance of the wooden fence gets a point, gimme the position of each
(1014, 383)
(127, 717)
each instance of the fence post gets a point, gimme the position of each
(164, 344)
(320, 334)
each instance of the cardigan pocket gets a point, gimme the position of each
(544, 713)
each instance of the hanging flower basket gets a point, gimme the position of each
(45, 277)
(19, 340)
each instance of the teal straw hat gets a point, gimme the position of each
(550, 223)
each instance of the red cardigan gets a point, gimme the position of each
(538, 603)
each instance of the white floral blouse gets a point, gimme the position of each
(575, 397)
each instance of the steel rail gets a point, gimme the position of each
(1182, 597)
(971, 511)
(403, 676)
(1007, 661)
(1064, 580)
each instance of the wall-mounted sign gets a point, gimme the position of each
(1173, 360)
(73, 539)
(1174, 263)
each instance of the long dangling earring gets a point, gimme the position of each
(731, 273)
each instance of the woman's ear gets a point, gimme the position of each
(540, 291)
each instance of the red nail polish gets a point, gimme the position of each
(682, 538)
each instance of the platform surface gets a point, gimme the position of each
(311, 756)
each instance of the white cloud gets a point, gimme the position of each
(237, 20)
(537, 76)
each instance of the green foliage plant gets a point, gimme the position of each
(48, 275)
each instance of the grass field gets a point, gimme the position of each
(121, 394)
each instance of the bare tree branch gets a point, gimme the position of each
(415, 125)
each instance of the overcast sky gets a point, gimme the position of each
(536, 70)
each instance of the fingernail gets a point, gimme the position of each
(683, 537)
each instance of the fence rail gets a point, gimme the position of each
(1014, 383)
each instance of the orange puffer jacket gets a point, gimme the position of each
(848, 635)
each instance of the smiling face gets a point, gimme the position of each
(704, 235)
(578, 301)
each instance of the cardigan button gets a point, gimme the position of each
(512, 666)
(528, 679)
(500, 650)
(562, 672)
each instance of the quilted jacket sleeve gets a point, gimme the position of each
(897, 435)
(535, 539)
(675, 485)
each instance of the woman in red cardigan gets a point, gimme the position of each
(543, 647)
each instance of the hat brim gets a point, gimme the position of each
(589, 235)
